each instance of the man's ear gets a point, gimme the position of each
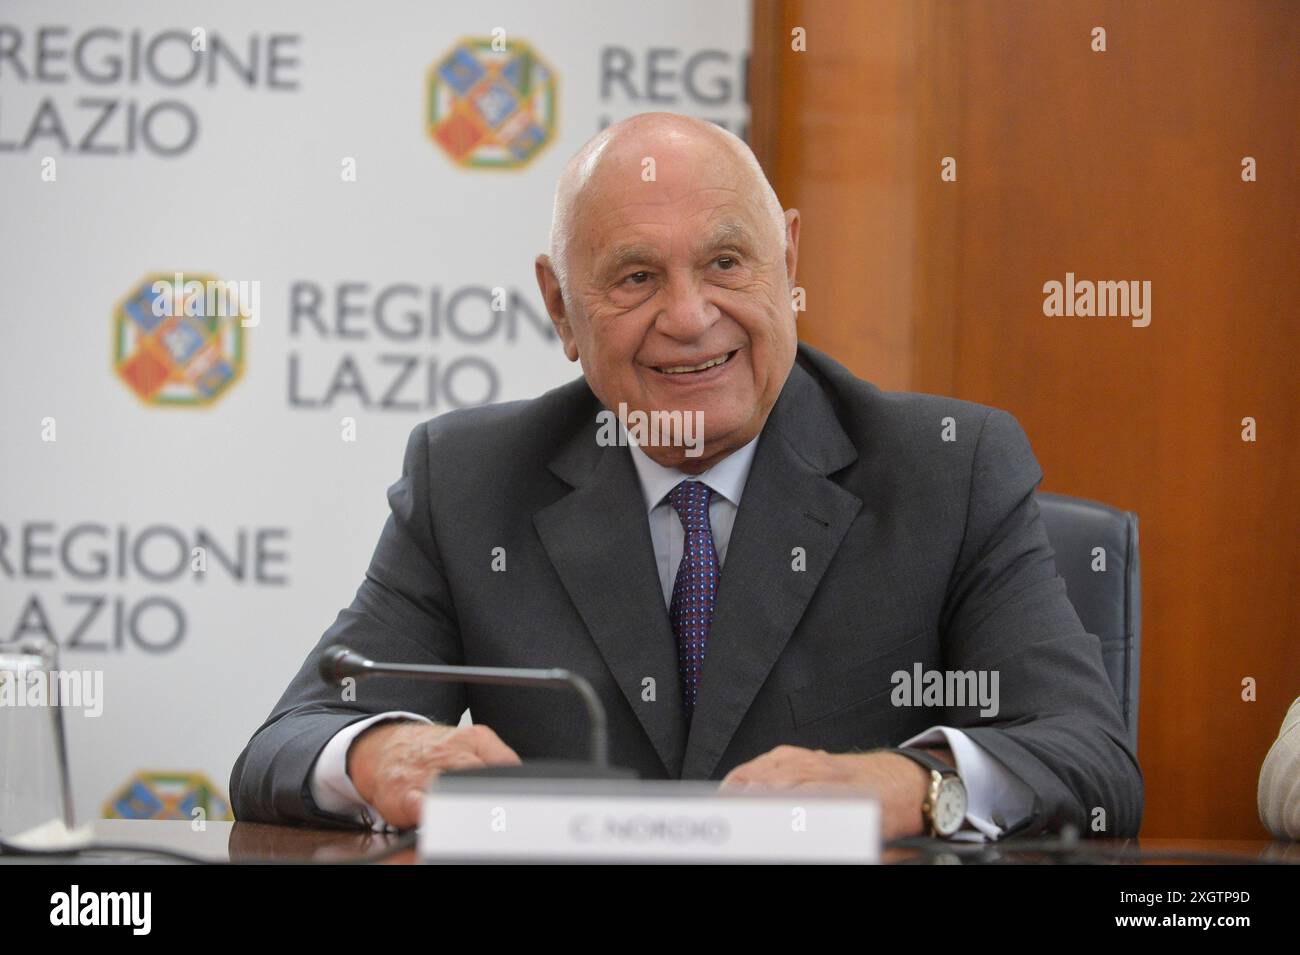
(553, 297)
(791, 243)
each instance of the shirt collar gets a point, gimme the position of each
(727, 477)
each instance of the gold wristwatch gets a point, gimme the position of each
(944, 808)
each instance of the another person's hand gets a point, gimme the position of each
(899, 783)
(391, 763)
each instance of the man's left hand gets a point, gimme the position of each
(900, 784)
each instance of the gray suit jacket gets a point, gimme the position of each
(918, 550)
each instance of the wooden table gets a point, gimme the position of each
(256, 842)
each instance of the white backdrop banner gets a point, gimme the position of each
(246, 248)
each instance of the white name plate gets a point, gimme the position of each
(530, 820)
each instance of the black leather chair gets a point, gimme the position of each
(1109, 603)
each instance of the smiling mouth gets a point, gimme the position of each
(695, 369)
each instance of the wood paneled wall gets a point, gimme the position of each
(1114, 166)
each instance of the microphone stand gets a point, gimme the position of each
(340, 663)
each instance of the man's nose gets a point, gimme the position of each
(687, 313)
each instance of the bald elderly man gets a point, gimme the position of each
(779, 598)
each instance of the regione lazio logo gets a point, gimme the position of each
(491, 103)
(175, 343)
(167, 795)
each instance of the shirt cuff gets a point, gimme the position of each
(992, 790)
(331, 787)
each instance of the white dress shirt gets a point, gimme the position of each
(991, 789)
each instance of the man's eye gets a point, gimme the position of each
(637, 278)
(726, 262)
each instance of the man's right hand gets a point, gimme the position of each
(391, 763)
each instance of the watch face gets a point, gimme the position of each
(949, 807)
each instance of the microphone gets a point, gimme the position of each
(338, 663)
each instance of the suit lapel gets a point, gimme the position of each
(788, 502)
(598, 538)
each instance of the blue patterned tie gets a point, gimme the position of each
(695, 591)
